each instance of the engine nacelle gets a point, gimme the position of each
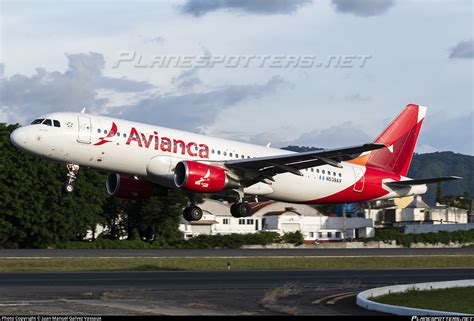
(128, 187)
(202, 178)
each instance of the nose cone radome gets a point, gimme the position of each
(19, 137)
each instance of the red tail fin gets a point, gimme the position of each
(400, 138)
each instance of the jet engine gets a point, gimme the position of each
(202, 178)
(129, 187)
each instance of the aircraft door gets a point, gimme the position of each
(84, 125)
(359, 179)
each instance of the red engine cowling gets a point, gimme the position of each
(128, 187)
(202, 178)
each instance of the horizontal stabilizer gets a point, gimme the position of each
(423, 181)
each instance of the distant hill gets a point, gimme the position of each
(433, 165)
(444, 164)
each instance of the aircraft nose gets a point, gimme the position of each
(19, 137)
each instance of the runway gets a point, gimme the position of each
(233, 252)
(202, 292)
(228, 279)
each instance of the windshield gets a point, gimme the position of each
(37, 121)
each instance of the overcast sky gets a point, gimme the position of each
(63, 55)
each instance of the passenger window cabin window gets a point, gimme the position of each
(124, 135)
(230, 154)
(317, 170)
(334, 173)
(323, 171)
(105, 131)
(98, 130)
(218, 152)
(48, 122)
(225, 153)
(56, 123)
(236, 155)
(340, 175)
(212, 151)
(243, 156)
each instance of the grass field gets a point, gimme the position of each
(453, 300)
(239, 263)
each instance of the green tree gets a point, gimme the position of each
(35, 211)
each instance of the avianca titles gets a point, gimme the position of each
(143, 160)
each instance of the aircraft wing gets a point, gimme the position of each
(267, 167)
(423, 181)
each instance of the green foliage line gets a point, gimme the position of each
(198, 242)
(442, 237)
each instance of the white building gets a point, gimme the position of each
(413, 210)
(278, 217)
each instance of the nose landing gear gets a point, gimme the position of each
(72, 169)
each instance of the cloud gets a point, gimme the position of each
(199, 8)
(187, 80)
(363, 8)
(84, 85)
(463, 50)
(358, 98)
(345, 134)
(23, 97)
(155, 40)
(193, 111)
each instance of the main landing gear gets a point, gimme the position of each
(192, 212)
(72, 169)
(240, 208)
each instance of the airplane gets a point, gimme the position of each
(141, 160)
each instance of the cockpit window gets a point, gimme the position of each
(56, 123)
(48, 122)
(37, 121)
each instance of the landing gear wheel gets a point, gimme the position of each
(233, 210)
(186, 215)
(240, 209)
(69, 188)
(192, 213)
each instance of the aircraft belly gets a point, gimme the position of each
(292, 188)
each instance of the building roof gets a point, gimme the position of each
(417, 203)
(276, 213)
(255, 207)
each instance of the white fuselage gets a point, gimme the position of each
(151, 152)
